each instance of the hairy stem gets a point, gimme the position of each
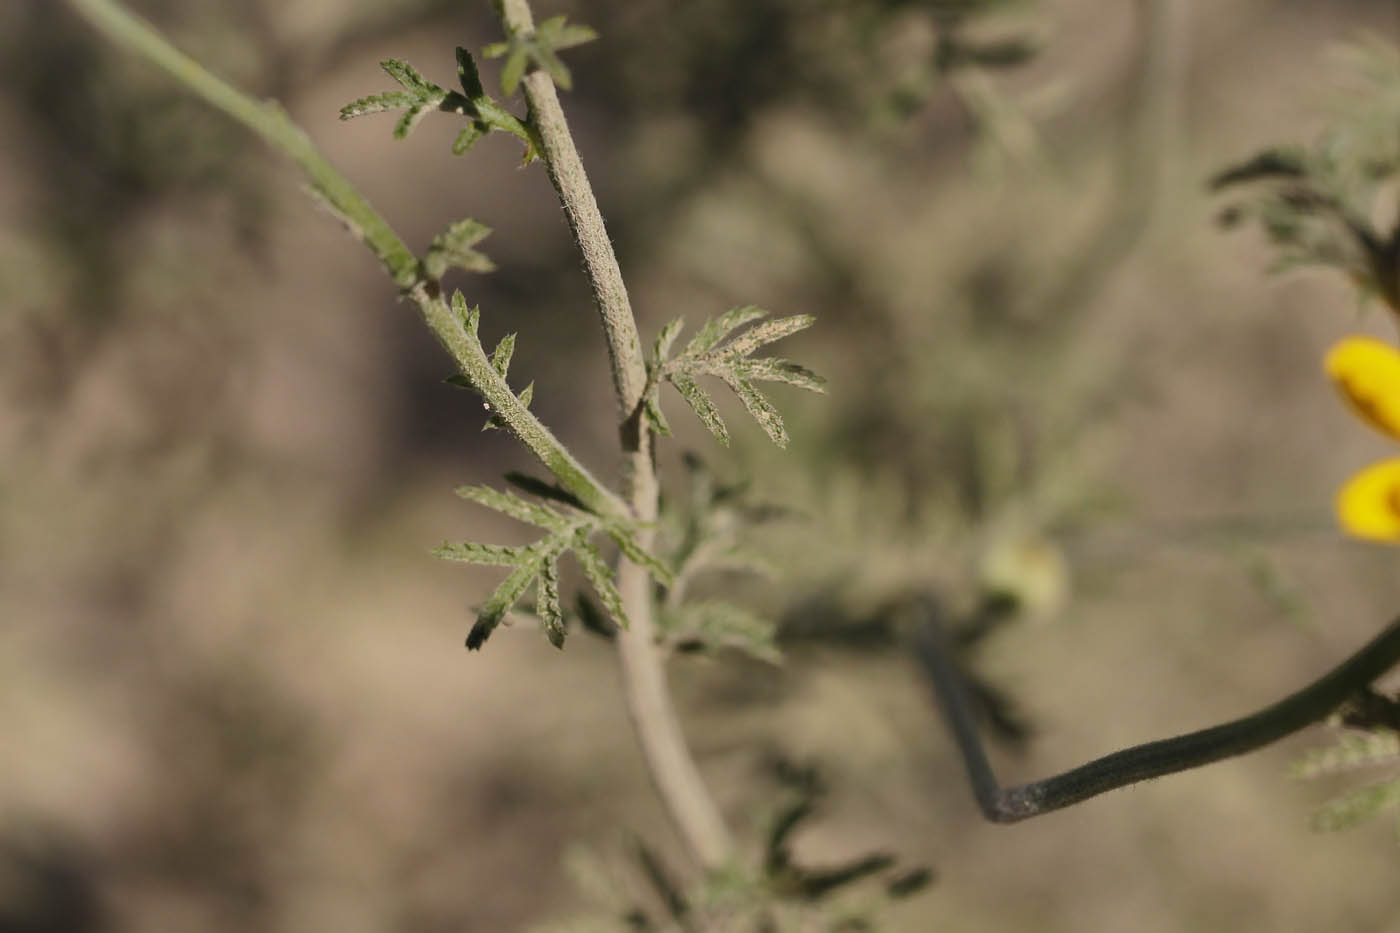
(271, 122)
(653, 715)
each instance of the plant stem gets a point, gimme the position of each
(672, 768)
(999, 804)
(271, 122)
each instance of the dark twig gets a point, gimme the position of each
(1140, 762)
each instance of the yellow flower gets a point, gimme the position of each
(1367, 371)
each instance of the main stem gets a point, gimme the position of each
(673, 770)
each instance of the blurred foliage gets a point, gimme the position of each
(1333, 203)
(782, 896)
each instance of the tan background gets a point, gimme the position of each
(232, 688)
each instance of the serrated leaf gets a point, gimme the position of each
(665, 339)
(500, 358)
(700, 402)
(468, 137)
(513, 70)
(510, 504)
(761, 409)
(376, 103)
(627, 543)
(453, 247)
(600, 577)
(502, 599)
(540, 48)
(473, 553)
(470, 317)
(547, 603)
(716, 329)
(557, 34)
(654, 415)
(772, 369)
(406, 75)
(767, 332)
(411, 118)
(467, 75)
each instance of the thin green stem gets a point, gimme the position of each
(641, 661)
(1311, 704)
(271, 122)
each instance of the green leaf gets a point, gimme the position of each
(665, 339)
(500, 359)
(468, 76)
(510, 504)
(411, 80)
(700, 402)
(627, 543)
(470, 317)
(538, 48)
(772, 369)
(453, 248)
(654, 415)
(377, 103)
(494, 609)
(420, 96)
(473, 553)
(411, 118)
(600, 577)
(716, 329)
(547, 604)
(767, 332)
(513, 70)
(468, 136)
(761, 409)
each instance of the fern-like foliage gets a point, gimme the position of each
(567, 529)
(453, 248)
(709, 354)
(541, 49)
(712, 535)
(420, 96)
(1316, 203)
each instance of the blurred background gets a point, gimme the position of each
(233, 693)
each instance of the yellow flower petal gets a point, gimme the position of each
(1367, 371)
(1368, 506)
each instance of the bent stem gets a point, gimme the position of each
(672, 768)
(999, 804)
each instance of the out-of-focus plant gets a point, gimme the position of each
(641, 595)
